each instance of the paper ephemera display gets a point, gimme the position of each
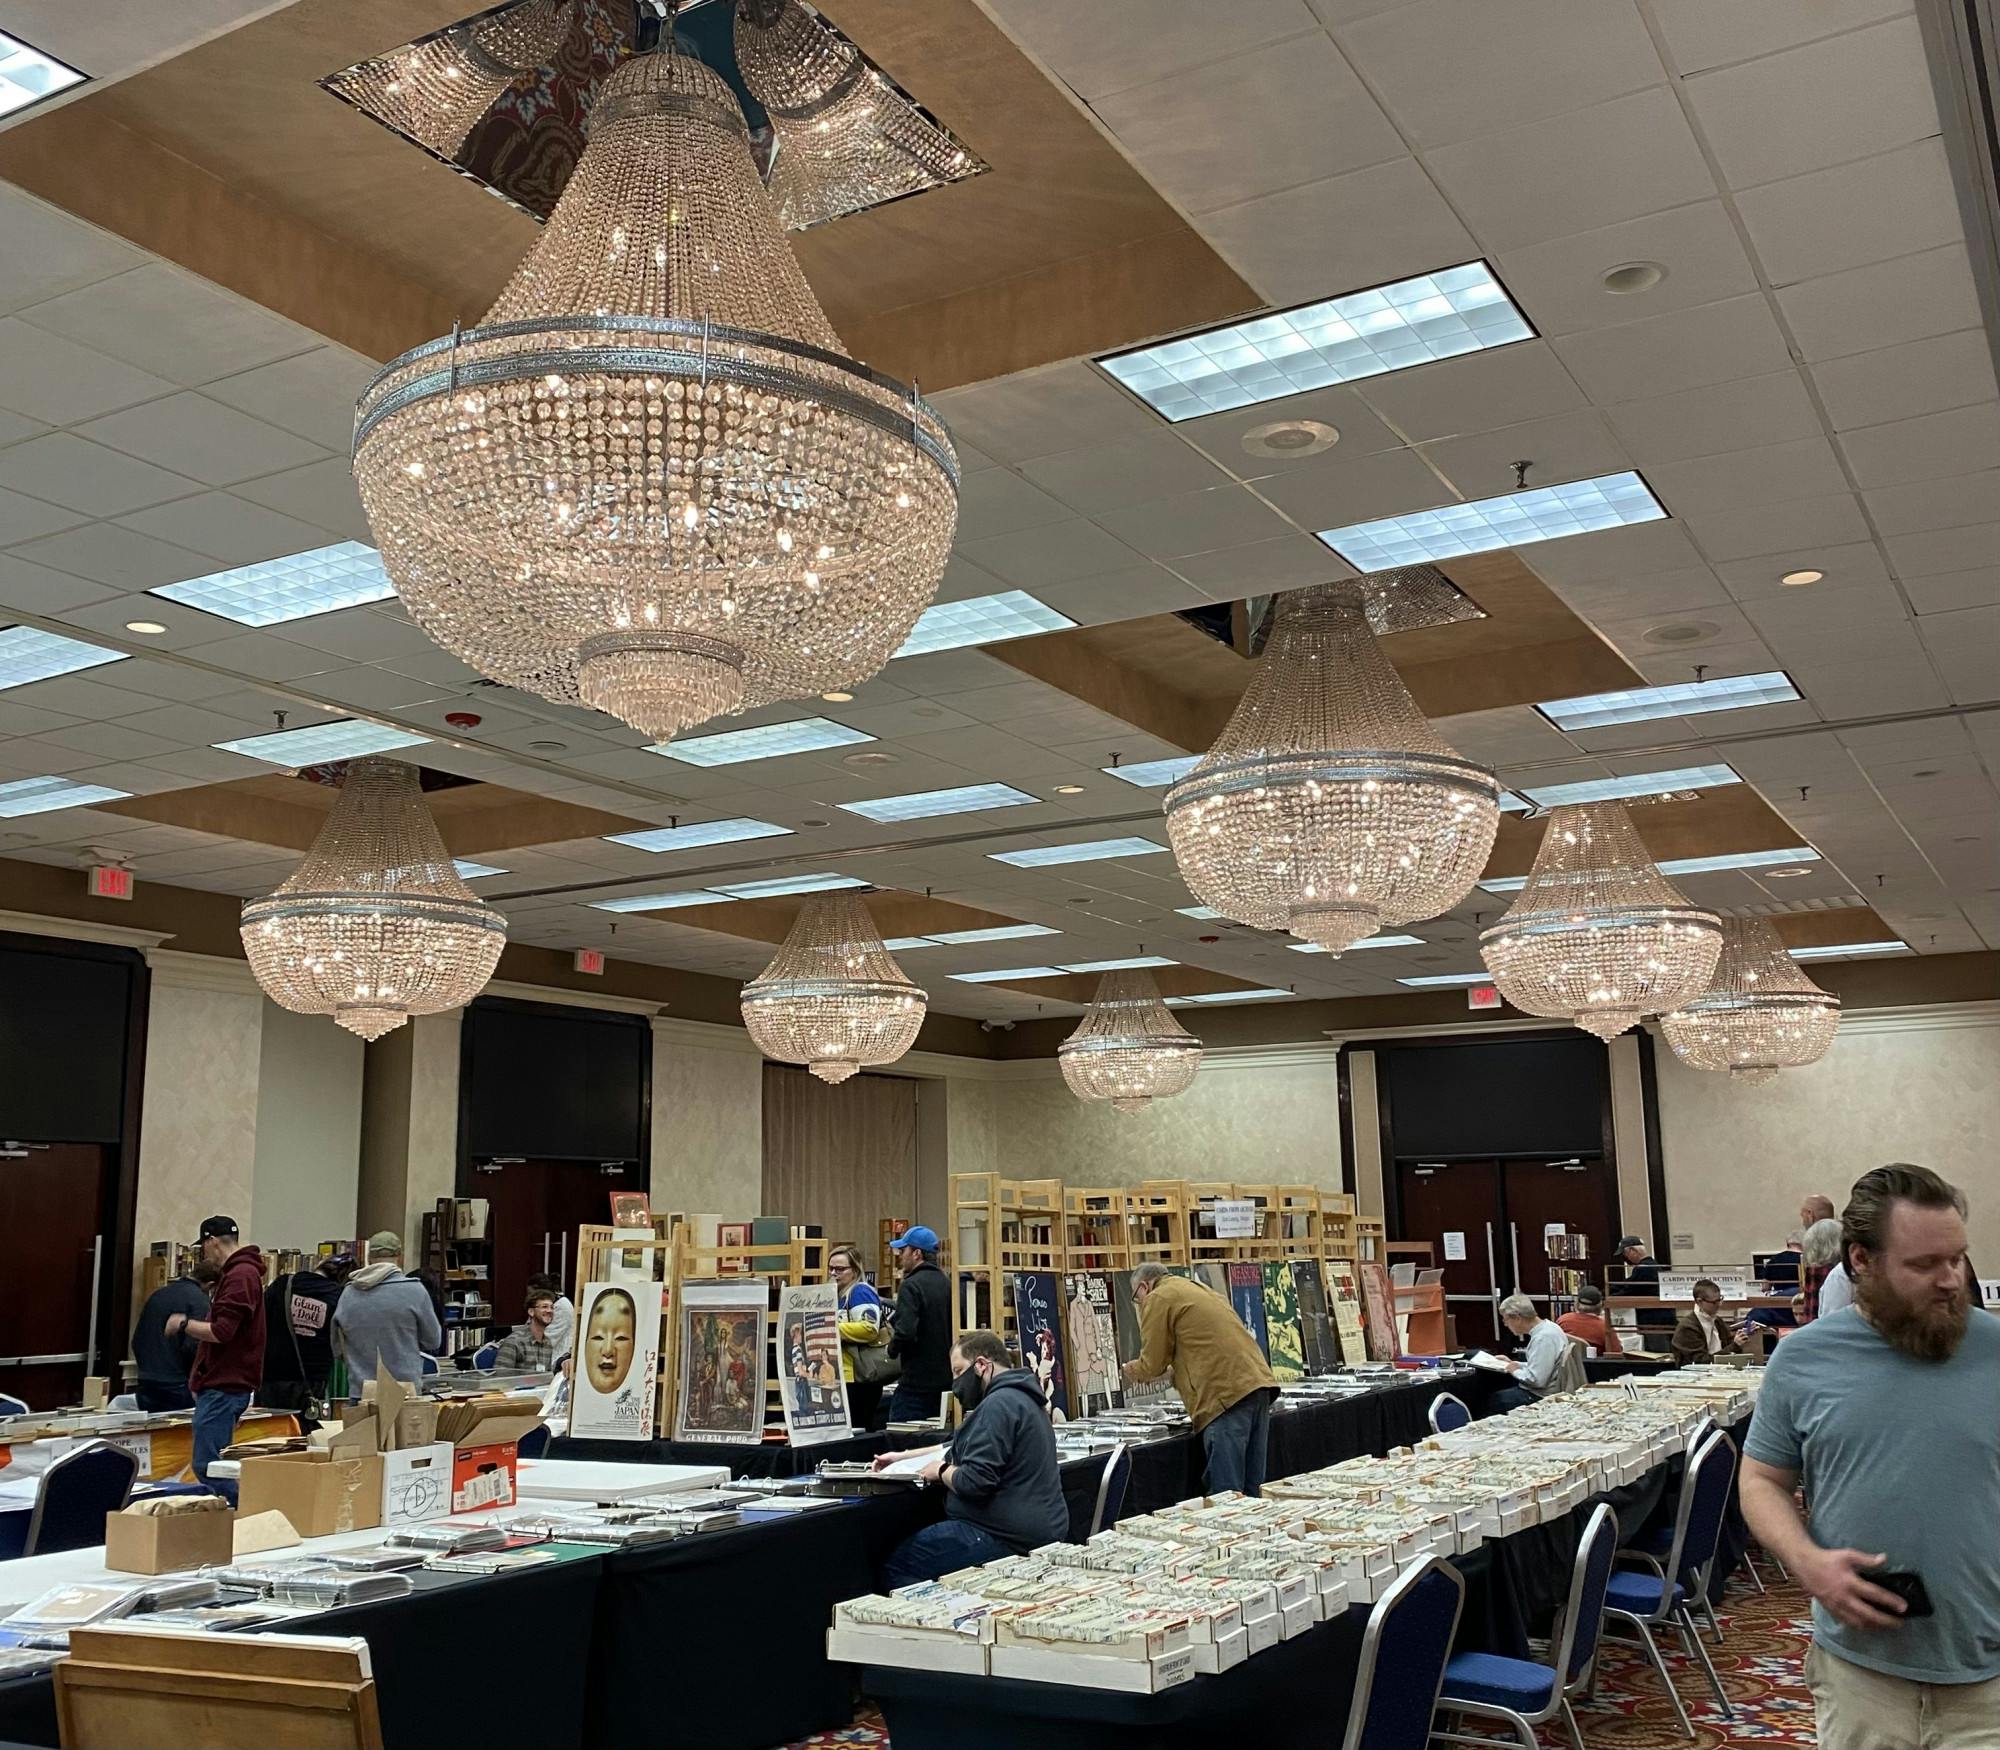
(1316, 1336)
(1378, 1308)
(613, 1392)
(720, 1398)
(1093, 1344)
(1283, 1342)
(1038, 1323)
(1246, 1294)
(809, 1355)
(1343, 1286)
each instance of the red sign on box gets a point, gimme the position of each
(107, 881)
(1482, 996)
(590, 960)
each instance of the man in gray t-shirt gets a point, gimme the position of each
(1890, 1410)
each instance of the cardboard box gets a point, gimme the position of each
(165, 1543)
(320, 1492)
(483, 1434)
(416, 1484)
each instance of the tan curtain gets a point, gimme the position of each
(843, 1157)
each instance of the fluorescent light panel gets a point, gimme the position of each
(1154, 774)
(1204, 912)
(997, 933)
(659, 901)
(1438, 978)
(1337, 340)
(981, 619)
(27, 75)
(1232, 996)
(1683, 699)
(929, 804)
(785, 884)
(469, 871)
(28, 655)
(903, 944)
(1370, 942)
(707, 832)
(1694, 865)
(1131, 963)
(1095, 851)
(769, 741)
(347, 739)
(1836, 951)
(345, 575)
(1637, 784)
(1542, 513)
(45, 795)
(1002, 973)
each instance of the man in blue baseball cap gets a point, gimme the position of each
(920, 1328)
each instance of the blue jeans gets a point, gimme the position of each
(1510, 1397)
(906, 1405)
(215, 1414)
(940, 1549)
(1236, 1443)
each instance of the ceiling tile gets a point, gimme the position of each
(1105, 477)
(1966, 648)
(1569, 446)
(1037, 413)
(227, 529)
(1933, 503)
(999, 500)
(358, 634)
(111, 741)
(1478, 391)
(1953, 590)
(1801, 522)
(1132, 594)
(1743, 479)
(1655, 592)
(1341, 406)
(1289, 562)
(119, 557)
(1717, 418)
(1845, 567)
(1633, 550)
(1961, 441)
(49, 252)
(311, 395)
(1957, 548)
(1337, 490)
(264, 658)
(1195, 522)
(35, 589)
(1057, 553)
(24, 519)
(1709, 33)
(1711, 344)
(1852, 214)
(962, 580)
(75, 696)
(199, 437)
(71, 471)
(374, 689)
(1120, 43)
(321, 493)
(1560, 284)
(1882, 304)
(53, 380)
(1900, 382)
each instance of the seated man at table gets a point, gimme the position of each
(1588, 1324)
(1703, 1330)
(529, 1348)
(1540, 1368)
(1002, 1494)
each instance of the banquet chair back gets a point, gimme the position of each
(76, 1492)
(1111, 1489)
(1710, 1472)
(1403, 1654)
(1583, 1617)
(534, 1443)
(485, 1356)
(1571, 1374)
(11, 1405)
(1448, 1412)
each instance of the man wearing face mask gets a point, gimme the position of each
(1002, 1494)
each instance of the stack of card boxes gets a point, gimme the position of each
(931, 1627)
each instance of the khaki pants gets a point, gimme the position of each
(1860, 1709)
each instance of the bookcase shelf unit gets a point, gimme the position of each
(1000, 1226)
(1096, 1235)
(1156, 1223)
(462, 1266)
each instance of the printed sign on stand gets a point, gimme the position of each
(1235, 1218)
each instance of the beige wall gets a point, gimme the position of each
(409, 1127)
(1917, 1085)
(306, 1178)
(708, 1120)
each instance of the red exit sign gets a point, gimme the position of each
(590, 960)
(110, 882)
(1482, 996)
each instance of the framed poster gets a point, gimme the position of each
(1246, 1294)
(809, 1353)
(719, 1398)
(1038, 1320)
(1322, 1353)
(1094, 1380)
(1344, 1292)
(732, 1233)
(1283, 1343)
(1131, 1337)
(614, 1384)
(1213, 1276)
(629, 1209)
(1378, 1310)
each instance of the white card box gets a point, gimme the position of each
(1133, 1676)
(1300, 1617)
(1261, 1632)
(908, 1649)
(416, 1484)
(1221, 1654)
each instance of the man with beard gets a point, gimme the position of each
(1891, 1408)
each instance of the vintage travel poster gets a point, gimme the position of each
(614, 1385)
(1322, 1353)
(1094, 1382)
(1246, 1294)
(1281, 1322)
(1038, 1319)
(1131, 1339)
(809, 1355)
(722, 1357)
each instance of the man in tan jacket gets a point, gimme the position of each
(1218, 1369)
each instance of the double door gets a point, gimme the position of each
(537, 1206)
(1485, 1220)
(54, 1212)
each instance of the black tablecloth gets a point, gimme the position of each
(773, 1458)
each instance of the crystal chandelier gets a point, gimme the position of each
(1759, 1014)
(1599, 936)
(376, 926)
(846, 139)
(834, 998)
(1128, 1048)
(652, 480)
(437, 91)
(1329, 806)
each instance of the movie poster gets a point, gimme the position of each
(1038, 1320)
(809, 1354)
(614, 1383)
(1281, 1322)
(1126, 1324)
(1322, 1354)
(1246, 1294)
(1344, 1293)
(1094, 1382)
(720, 1399)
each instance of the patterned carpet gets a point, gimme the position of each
(1760, 1664)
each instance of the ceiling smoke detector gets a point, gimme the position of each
(1683, 632)
(548, 747)
(1286, 440)
(1632, 276)
(871, 757)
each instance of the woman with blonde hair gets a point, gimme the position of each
(863, 1326)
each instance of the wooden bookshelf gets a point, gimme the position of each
(1156, 1222)
(1095, 1233)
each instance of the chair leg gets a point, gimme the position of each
(1750, 1567)
(1691, 1639)
(1715, 1628)
(1660, 1665)
(1575, 1731)
(1780, 1566)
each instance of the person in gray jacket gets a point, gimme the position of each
(1003, 1495)
(385, 1319)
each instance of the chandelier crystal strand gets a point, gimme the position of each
(651, 480)
(833, 998)
(1599, 936)
(376, 926)
(1129, 1049)
(1759, 1014)
(1329, 806)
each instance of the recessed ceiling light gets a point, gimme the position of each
(768, 741)
(28, 655)
(1542, 513)
(548, 747)
(872, 757)
(1784, 874)
(838, 698)
(1796, 579)
(708, 832)
(1682, 699)
(1929, 772)
(344, 575)
(981, 619)
(1154, 774)
(145, 628)
(1336, 340)
(1632, 276)
(1094, 851)
(1069, 789)
(27, 75)
(347, 739)
(929, 804)
(43, 795)
(1287, 440)
(1638, 784)
(788, 884)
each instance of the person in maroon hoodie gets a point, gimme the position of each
(230, 1361)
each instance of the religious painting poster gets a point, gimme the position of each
(1038, 1322)
(809, 1359)
(720, 1396)
(614, 1385)
(1094, 1382)
(1322, 1353)
(1246, 1294)
(1281, 1322)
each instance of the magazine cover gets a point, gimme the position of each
(1126, 1325)
(1344, 1292)
(1281, 1322)
(809, 1352)
(1322, 1354)
(613, 1391)
(1378, 1311)
(1215, 1276)
(1094, 1381)
(1038, 1319)
(720, 1399)
(1246, 1294)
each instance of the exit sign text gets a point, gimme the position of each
(590, 960)
(110, 882)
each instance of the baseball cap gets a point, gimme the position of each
(386, 1244)
(219, 1227)
(1629, 1241)
(920, 1237)
(1590, 1295)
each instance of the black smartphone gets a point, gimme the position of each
(1908, 1586)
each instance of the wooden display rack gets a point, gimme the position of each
(1156, 1223)
(1095, 1231)
(1298, 1213)
(1002, 1226)
(1336, 1225)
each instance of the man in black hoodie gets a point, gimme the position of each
(920, 1328)
(1002, 1493)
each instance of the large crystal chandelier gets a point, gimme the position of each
(1329, 806)
(1759, 1014)
(651, 479)
(834, 998)
(1599, 936)
(1128, 1048)
(376, 926)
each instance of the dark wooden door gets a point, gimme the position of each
(1455, 1205)
(52, 1204)
(1577, 1193)
(537, 1207)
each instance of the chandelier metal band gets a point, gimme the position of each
(684, 643)
(779, 991)
(1233, 777)
(1601, 918)
(304, 904)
